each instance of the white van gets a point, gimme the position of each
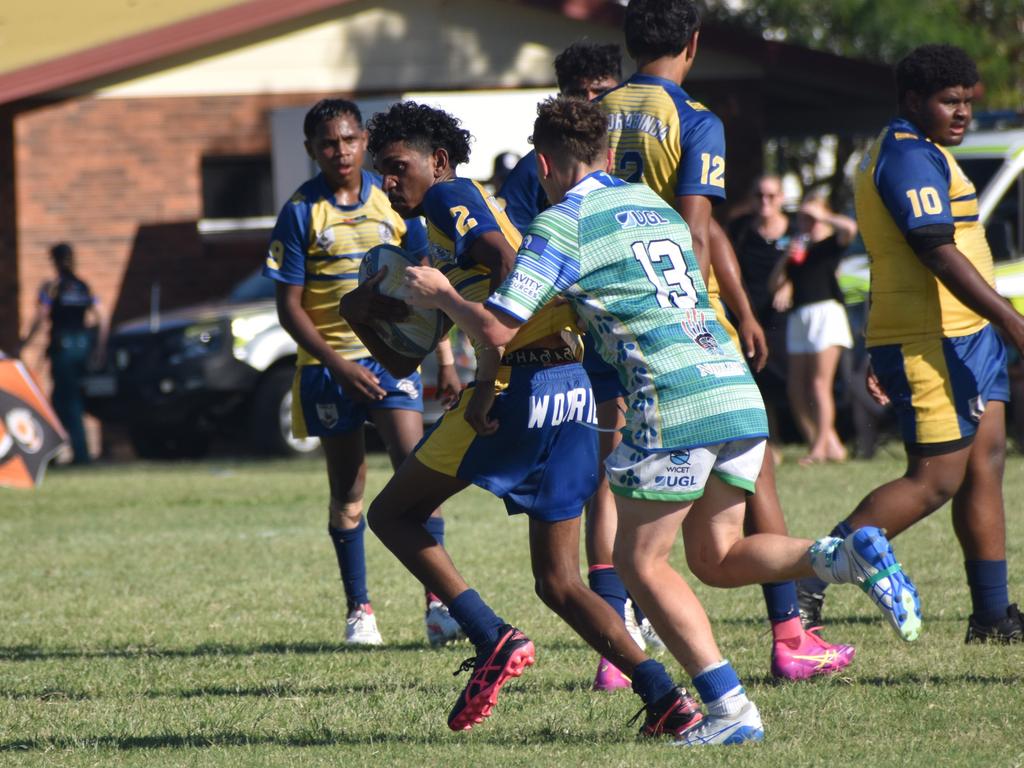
(994, 161)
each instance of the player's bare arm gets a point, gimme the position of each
(479, 407)
(359, 381)
(492, 250)
(427, 287)
(696, 212)
(727, 270)
(955, 272)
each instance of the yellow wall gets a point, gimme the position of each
(34, 31)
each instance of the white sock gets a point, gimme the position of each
(729, 704)
(829, 560)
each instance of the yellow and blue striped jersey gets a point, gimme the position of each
(667, 140)
(904, 182)
(459, 211)
(319, 244)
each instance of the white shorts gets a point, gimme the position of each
(816, 327)
(681, 475)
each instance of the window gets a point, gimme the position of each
(237, 187)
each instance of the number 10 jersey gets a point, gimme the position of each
(624, 259)
(906, 182)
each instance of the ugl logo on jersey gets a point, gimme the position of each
(675, 481)
(630, 219)
(575, 405)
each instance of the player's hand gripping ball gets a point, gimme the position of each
(419, 333)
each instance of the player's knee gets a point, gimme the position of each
(554, 590)
(345, 514)
(711, 572)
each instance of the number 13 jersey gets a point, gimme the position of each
(624, 259)
(905, 182)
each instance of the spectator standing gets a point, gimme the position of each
(760, 240)
(69, 303)
(817, 329)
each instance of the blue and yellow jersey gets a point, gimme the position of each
(668, 141)
(523, 195)
(904, 182)
(319, 244)
(459, 211)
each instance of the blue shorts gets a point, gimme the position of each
(939, 387)
(604, 379)
(543, 458)
(321, 408)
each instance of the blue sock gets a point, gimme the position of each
(651, 681)
(713, 684)
(638, 613)
(990, 593)
(348, 547)
(813, 583)
(780, 599)
(476, 618)
(435, 527)
(606, 583)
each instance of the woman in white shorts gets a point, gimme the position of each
(817, 329)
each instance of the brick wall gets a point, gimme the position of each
(120, 180)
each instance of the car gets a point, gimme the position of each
(994, 161)
(176, 379)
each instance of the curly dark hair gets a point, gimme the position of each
(929, 68)
(585, 61)
(573, 128)
(656, 28)
(326, 110)
(420, 126)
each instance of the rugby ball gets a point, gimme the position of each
(417, 335)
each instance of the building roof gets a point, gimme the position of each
(118, 40)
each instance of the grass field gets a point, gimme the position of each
(190, 614)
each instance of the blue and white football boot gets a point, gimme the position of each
(865, 558)
(738, 727)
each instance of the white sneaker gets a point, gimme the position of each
(651, 637)
(441, 627)
(632, 627)
(739, 728)
(361, 627)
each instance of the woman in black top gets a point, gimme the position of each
(68, 302)
(817, 329)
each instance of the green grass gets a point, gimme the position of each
(190, 614)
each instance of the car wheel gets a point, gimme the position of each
(270, 417)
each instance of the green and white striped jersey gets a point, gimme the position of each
(624, 259)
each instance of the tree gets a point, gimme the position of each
(991, 31)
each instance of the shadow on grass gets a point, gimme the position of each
(269, 691)
(35, 653)
(907, 678)
(320, 739)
